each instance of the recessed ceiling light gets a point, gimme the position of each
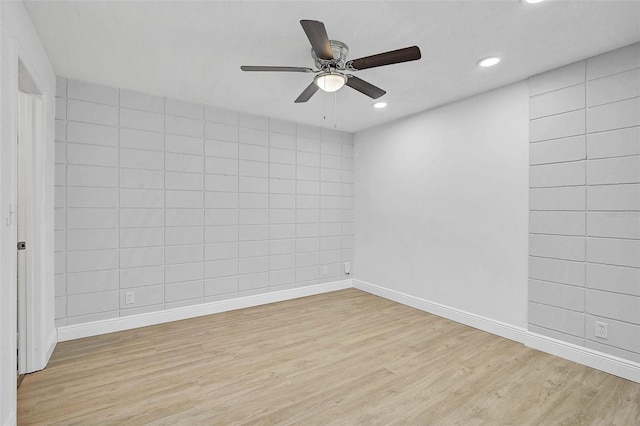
(380, 105)
(489, 62)
(533, 1)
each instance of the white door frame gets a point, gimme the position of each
(38, 335)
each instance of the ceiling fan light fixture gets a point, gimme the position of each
(330, 81)
(489, 62)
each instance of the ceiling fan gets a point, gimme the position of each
(330, 57)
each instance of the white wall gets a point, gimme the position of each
(585, 203)
(19, 40)
(184, 204)
(441, 205)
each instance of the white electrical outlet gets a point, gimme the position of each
(601, 330)
(129, 298)
(325, 270)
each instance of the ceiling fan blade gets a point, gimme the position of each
(307, 93)
(317, 35)
(393, 57)
(268, 68)
(364, 87)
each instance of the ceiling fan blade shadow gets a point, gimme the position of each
(364, 87)
(277, 68)
(387, 58)
(307, 93)
(318, 38)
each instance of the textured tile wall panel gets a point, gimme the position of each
(184, 291)
(562, 320)
(613, 88)
(182, 203)
(614, 197)
(559, 198)
(89, 303)
(92, 281)
(556, 270)
(616, 115)
(92, 155)
(618, 279)
(282, 141)
(614, 143)
(141, 179)
(83, 218)
(281, 127)
(137, 100)
(89, 112)
(144, 296)
(556, 335)
(92, 92)
(612, 350)
(557, 126)
(557, 222)
(90, 133)
(92, 260)
(220, 115)
(616, 61)
(614, 170)
(559, 78)
(620, 334)
(614, 224)
(557, 101)
(139, 277)
(92, 176)
(557, 150)
(607, 260)
(184, 109)
(557, 247)
(614, 251)
(141, 139)
(618, 306)
(141, 198)
(141, 120)
(558, 295)
(183, 126)
(184, 144)
(137, 257)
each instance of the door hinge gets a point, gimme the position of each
(22, 245)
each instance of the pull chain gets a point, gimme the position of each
(335, 110)
(324, 114)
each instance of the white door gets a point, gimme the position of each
(23, 213)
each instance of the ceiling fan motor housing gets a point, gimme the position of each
(339, 61)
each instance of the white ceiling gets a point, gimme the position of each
(193, 50)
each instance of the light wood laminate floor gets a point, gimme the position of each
(341, 358)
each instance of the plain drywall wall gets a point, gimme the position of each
(441, 206)
(585, 203)
(182, 204)
(19, 40)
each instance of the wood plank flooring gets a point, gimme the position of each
(340, 358)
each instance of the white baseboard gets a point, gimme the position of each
(589, 357)
(476, 321)
(11, 419)
(608, 363)
(95, 328)
(51, 345)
